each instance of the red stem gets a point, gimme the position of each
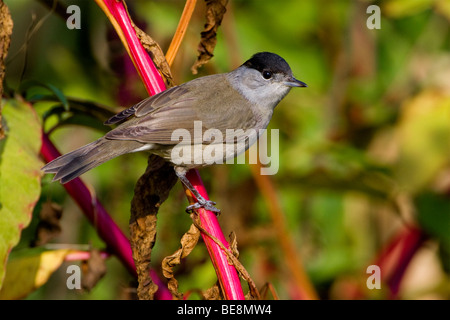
(395, 258)
(226, 274)
(144, 65)
(84, 255)
(106, 227)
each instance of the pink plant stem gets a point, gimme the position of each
(396, 256)
(106, 227)
(144, 65)
(163, 293)
(226, 274)
(83, 255)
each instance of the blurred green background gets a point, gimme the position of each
(364, 150)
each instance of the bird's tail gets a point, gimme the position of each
(77, 162)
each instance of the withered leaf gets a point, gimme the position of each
(232, 258)
(212, 293)
(151, 190)
(215, 10)
(233, 244)
(157, 55)
(155, 52)
(188, 242)
(6, 25)
(93, 270)
(48, 226)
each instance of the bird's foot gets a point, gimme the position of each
(205, 204)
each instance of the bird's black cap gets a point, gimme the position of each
(267, 61)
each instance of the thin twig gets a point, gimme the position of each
(154, 84)
(181, 31)
(231, 258)
(293, 261)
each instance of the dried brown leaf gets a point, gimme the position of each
(155, 53)
(157, 56)
(188, 242)
(233, 244)
(232, 259)
(151, 190)
(93, 270)
(212, 293)
(48, 226)
(215, 10)
(6, 26)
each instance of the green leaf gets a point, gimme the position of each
(82, 113)
(434, 215)
(53, 90)
(424, 140)
(401, 8)
(20, 174)
(37, 266)
(443, 7)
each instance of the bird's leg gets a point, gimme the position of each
(201, 202)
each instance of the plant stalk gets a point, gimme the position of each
(227, 275)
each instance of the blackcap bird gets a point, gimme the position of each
(222, 114)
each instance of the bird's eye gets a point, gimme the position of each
(267, 74)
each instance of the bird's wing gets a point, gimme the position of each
(157, 118)
(148, 105)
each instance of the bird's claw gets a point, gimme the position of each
(207, 205)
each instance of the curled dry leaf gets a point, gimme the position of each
(93, 270)
(212, 293)
(151, 190)
(215, 10)
(48, 226)
(157, 56)
(188, 242)
(253, 294)
(233, 244)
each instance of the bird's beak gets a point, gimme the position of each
(292, 82)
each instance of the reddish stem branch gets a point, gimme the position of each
(106, 227)
(141, 60)
(181, 31)
(227, 275)
(396, 256)
(294, 263)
